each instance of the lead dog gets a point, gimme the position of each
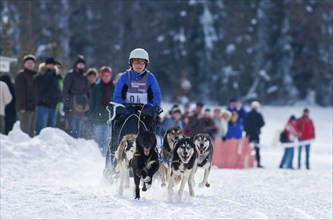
(204, 146)
(183, 162)
(171, 136)
(145, 161)
(124, 155)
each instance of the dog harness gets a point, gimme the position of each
(137, 90)
(203, 162)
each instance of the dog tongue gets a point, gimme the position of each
(146, 151)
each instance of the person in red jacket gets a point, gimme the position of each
(307, 130)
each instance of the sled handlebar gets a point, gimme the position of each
(112, 113)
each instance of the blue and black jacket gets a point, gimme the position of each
(154, 92)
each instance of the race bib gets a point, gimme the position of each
(139, 98)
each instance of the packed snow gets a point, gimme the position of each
(53, 176)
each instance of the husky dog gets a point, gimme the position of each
(124, 155)
(145, 160)
(172, 135)
(183, 162)
(204, 148)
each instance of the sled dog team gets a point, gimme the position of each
(177, 161)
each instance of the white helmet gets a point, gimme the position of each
(138, 53)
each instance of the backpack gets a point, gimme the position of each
(283, 136)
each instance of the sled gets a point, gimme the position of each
(122, 122)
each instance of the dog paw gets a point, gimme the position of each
(127, 186)
(201, 185)
(144, 188)
(147, 179)
(163, 185)
(191, 193)
(137, 197)
(207, 185)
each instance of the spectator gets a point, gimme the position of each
(6, 98)
(92, 77)
(10, 113)
(252, 125)
(234, 127)
(174, 120)
(185, 118)
(291, 133)
(234, 105)
(117, 78)
(226, 117)
(208, 123)
(195, 124)
(26, 95)
(101, 96)
(48, 95)
(217, 118)
(307, 130)
(62, 123)
(75, 97)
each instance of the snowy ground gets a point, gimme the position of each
(54, 176)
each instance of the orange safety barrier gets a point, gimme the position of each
(233, 154)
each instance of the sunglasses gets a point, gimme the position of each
(142, 62)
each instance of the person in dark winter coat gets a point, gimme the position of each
(26, 95)
(195, 122)
(253, 122)
(48, 95)
(234, 127)
(307, 129)
(10, 113)
(75, 97)
(291, 133)
(100, 97)
(208, 123)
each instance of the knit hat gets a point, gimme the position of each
(79, 59)
(91, 71)
(255, 104)
(105, 70)
(175, 110)
(200, 104)
(50, 60)
(29, 57)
